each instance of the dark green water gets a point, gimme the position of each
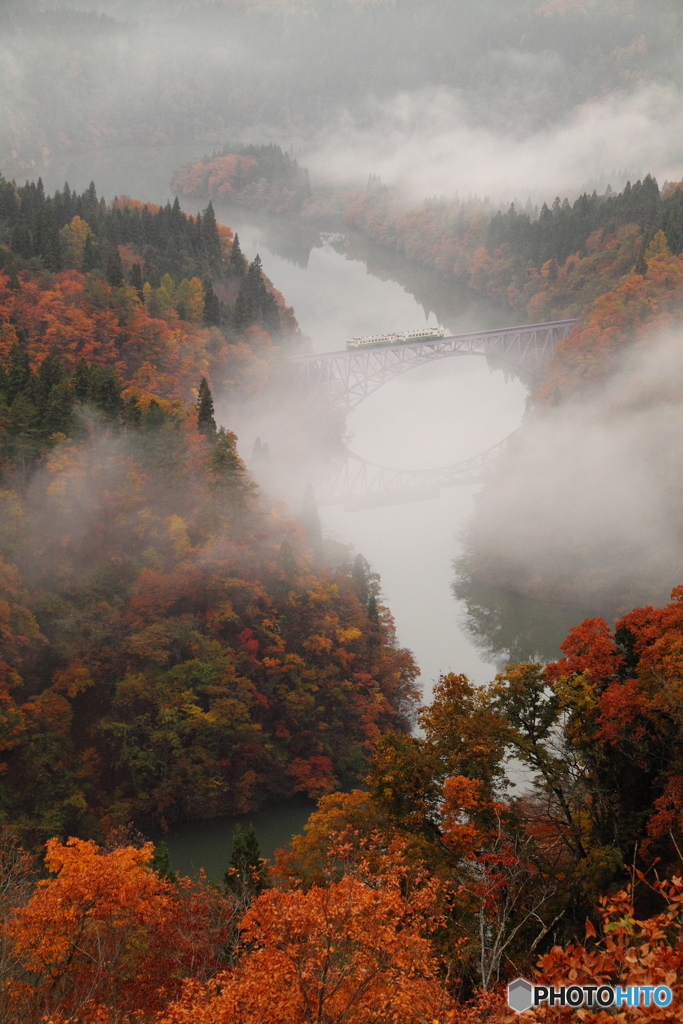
(208, 844)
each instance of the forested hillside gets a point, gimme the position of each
(413, 899)
(605, 414)
(262, 177)
(613, 260)
(179, 646)
(540, 264)
(173, 645)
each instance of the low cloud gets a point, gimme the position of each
(586, 507)
(431, 143)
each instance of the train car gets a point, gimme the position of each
(374, 340)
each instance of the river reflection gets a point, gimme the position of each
(341, 285)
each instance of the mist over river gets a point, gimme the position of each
(436, 415)
(433, 416)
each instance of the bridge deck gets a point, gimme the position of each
(432, 342)
(350, 375)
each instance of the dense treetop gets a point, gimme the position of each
(416, 898)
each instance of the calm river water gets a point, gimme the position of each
(432, 416)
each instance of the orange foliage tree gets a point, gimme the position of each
(107, 931)
(350, 953)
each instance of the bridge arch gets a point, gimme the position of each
(350, 375)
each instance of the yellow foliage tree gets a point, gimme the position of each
(189, 300)
(73, 236)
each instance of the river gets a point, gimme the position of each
(432, 416)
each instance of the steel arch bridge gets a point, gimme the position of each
(351, 375)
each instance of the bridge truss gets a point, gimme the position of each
(351, 375)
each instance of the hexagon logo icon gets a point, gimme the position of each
(520, 995)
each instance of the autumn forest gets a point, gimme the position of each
(184, 637)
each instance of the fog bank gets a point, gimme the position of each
(431, 142)
(586, 507)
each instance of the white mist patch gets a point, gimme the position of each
(429, 142)
(437, 415)
(587, 504)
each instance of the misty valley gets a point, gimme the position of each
(341, 544)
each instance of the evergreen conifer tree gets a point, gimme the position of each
(24, 427)
(114, 268)
(242, 312)
(264, 308)
(81, 380)
(132, 412)
(150, 271)
(225, 464)
(154, 417)
(237, 263)
(91, 256)
(212, 309)
(206, 422)
(360, 572)
(50, 374)
(211, 239)
(59, 410)
(105, 390)
(90, 200)
(256, 267)
(18, 371)
(270, 314)
(246, 872)
(50, 242)
(161, 863)
(640, 264)
(9, 205)
(136, 280)
(21, 242)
